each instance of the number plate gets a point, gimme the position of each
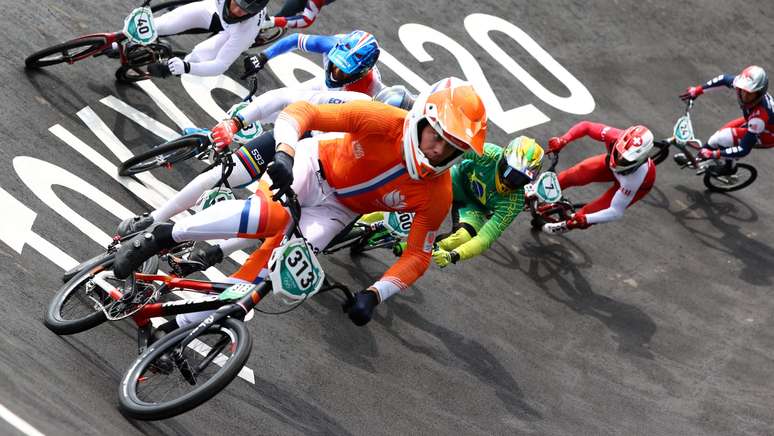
(139, 28)
(547, 188)
(237, 291)
(294, 270)
(683, 130)
(399, 223)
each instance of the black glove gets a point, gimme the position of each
(159, 69)
(363, 308)
(254, 64)
(281, 173)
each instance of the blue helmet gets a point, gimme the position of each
(354, 55)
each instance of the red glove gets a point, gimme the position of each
(223, 133)
(578, 221)
(556, 143)
(708, 153)
(692, 92)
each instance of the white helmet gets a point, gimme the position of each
(752, 79)
(455, 111)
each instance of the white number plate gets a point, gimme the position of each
(138, 26)
(295, 271)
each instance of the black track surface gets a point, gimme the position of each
(657, 325)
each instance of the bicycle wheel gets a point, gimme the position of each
(164, 155)
(74, 308)
(70, 51)
(660, 151)
(743, 177)
(165, 382)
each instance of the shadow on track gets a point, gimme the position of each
(561, 262)
(725, 213)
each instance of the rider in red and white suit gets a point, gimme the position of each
(626, 164)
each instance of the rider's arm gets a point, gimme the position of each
(305, 19)
(365, 117)
(503, 216)
(416, 258)
(240, 37)
(726, 80)
(629, 185)
(598, 131)
(265, 107)
(302, 42)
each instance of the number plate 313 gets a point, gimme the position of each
(294, 270)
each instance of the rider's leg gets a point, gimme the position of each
(591, 170)
(725, 138)
(250, 162)
(196, 15)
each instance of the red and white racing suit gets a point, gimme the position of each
(626, 190)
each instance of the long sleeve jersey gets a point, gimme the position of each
(369, 84)
(366, 169)
(628, 184)
(759, 119)
(473, 180)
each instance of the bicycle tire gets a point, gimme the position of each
(129, 400)
(712, 182)
(53, 318)
(169, 153)
(268, 36)
(60, 325)
(660, 151)
(89, 45)
(85, 265)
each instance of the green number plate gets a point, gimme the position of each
(548, 189)
(399, 223)
(139, 28)
(294, 270)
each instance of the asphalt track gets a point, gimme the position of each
(657, 325)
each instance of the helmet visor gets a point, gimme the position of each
(511, 178)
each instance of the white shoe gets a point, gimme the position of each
(555, 228)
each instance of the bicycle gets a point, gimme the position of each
(133, 46)
(544, 200)
(683, 139)
(360, 236)
(221, 341)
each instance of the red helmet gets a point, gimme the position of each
(631, 150)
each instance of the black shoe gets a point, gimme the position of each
(199, 260)
(726, 169)
(139, 248)
(134, 224)
(681, 159)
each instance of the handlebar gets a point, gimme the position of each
(553, 157)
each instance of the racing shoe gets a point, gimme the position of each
(726, 169)
(140, 247)
(556, 228)
(681, 159)
(199, 260)
(134, 224)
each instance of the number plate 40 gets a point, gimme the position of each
(294, 270)
(138, 26)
